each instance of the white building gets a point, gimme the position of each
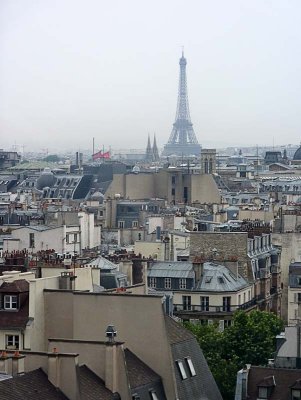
(63, 239)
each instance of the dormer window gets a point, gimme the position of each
(10, 302)
(153, 395)
(181, 369)
(296, 394)
(262, 393)
(190, 366)
(266, 387)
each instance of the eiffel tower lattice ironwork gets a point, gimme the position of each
(182, 140)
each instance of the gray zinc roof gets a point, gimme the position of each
(171, 269)
(219, 278)
(102, 263)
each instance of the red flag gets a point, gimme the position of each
(106, 155)
(98, 155)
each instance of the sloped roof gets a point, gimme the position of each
(183, 344)
(32, 385)
(17, 286)
(138, 372)
(15, 319)
(176, 333)
(91, 386)
(284, 380)
(219, 278)
(102, 263)
(171, 269)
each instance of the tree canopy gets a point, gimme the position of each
(251, 339)
(52, 158)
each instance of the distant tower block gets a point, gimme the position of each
(182, 141)
(208, 161)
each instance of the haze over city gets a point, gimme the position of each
(74, 70)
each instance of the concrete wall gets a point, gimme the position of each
(204, 189)
(201, 188)
(150, 249)
(139, 321)
(266, 216)
(35, 339)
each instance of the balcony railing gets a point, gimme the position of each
(180, 308)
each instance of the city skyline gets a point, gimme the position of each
(72, 71)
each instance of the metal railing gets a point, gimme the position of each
(213, 309)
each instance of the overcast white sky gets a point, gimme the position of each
(74, 69)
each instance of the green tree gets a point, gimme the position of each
(250, 339)
(52, 158)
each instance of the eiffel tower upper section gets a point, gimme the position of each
(182, 141)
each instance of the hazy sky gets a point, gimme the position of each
(71, 70)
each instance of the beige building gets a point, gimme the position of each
(62, 238)
(156, 339)
(172, 184)
(22, 316)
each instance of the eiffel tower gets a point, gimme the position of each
(182, 140)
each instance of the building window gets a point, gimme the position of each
(173, 191)
(10, 302)
(173, 180)
(227, 323)
(75, 238)
(181, 369)
(186, 302)
(190, 366)
(227, 304)
(239, 299)
(262, 392)
(167, 283)
(31, 240)
(204, 303)
(135, 224)
(12, 342)
(152, 282)
(296, 394)
(121, 224)
(182, 284)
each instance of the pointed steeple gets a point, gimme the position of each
(149, 151)
(155, 150)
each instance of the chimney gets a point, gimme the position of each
(233, 267)
(54, 368)
(5, 363)
(62, 373)
(18, 365)
(111, 359)
(198, 268)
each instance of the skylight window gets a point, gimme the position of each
(181, 369)
(190, 366)
(153, 395)
(208, 279)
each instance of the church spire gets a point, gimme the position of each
(155, 150)
(149, 152)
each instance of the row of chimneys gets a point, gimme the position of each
(11, 364)
(61, 367)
